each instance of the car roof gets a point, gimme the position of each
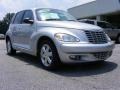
(33, 9)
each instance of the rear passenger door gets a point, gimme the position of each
(16, 27)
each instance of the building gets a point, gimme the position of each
(107, 10)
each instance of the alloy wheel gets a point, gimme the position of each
(46, 55)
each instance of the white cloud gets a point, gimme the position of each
(16, 5)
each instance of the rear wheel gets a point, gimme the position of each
(48, 55)
(10, 50)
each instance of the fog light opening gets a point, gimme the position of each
(75, 57)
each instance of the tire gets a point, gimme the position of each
(99, 62)
(48, 55)
(10, 50)
(118, 39)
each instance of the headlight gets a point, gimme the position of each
(66, 37)
(108, 37)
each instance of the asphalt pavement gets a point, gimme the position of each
(23, 72)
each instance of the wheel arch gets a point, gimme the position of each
(41, 39)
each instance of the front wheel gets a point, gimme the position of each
(48, 55)
(10, 50)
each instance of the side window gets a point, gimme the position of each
(82, 21)
(101, 24)
(18, 17)
(28, 14)
(90, 22)
(105, 25)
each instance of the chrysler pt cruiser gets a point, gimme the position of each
(56, 36)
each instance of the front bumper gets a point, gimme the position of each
(74, 53)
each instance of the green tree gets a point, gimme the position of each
(4, 24)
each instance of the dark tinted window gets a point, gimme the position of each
(18, 17)
(28, 14)
(104, 25)
(82, 21)
(90, 22)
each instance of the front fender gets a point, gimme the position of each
(48, 32)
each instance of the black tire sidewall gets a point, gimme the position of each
(55, 60)
(12, 51)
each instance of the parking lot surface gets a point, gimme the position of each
(23, 72)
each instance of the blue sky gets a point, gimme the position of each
(17, 5)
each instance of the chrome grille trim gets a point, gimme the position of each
(98, 37)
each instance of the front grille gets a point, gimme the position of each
(98, 37)
(102, 55)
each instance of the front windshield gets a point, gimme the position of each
(53, 15)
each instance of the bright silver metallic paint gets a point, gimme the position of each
(27, 39)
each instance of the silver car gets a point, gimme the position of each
(55, 36)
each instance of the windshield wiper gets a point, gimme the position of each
(53, 20)
(58, 20)
(72, 20)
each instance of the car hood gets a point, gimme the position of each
(69, 25)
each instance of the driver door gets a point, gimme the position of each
(27, 29)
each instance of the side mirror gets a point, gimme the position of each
(28, 21)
